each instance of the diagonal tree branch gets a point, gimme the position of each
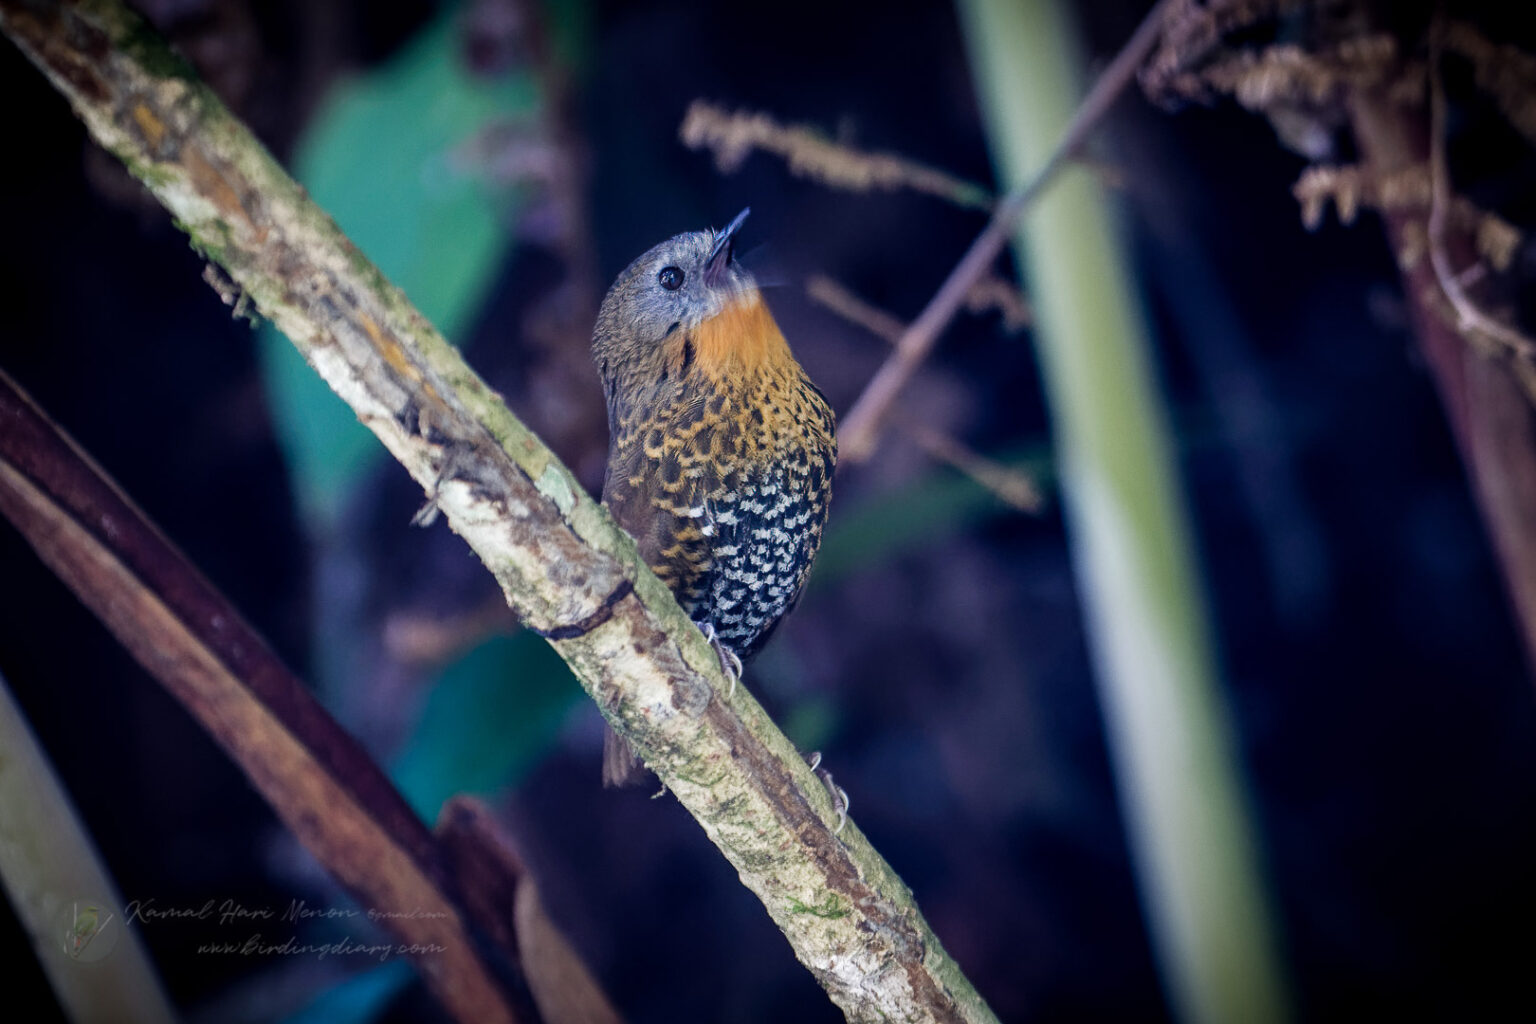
(560, 560)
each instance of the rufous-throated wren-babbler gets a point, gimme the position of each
(720, 450)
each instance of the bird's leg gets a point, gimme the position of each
(730, 662)
(839, 795)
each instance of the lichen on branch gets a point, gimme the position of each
(562, 563)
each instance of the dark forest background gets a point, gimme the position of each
(1384, 709)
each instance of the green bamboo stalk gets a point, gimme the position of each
(61, 892)
(1191, 838)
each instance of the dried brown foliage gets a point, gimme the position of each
(1288, 73)
(1323, 69)
(1353, 187)
(1306, 85)
(1506, 73)
(1195, 34)
(733, 137)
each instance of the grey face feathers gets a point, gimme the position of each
(675, 286)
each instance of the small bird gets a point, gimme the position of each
(720, 451)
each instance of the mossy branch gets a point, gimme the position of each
(562, 563)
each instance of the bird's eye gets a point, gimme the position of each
(671, 278)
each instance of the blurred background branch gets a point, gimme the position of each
(320, 782)
(1010, 485)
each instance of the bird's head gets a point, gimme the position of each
(687, 306)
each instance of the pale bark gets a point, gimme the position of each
(562, 563)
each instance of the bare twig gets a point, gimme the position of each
(810, 154)
(860, 429)
(1470, 319)
(1006, 483)
(833, 296)
(570, 572)
(416, 637)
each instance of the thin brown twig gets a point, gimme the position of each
(833, 296)
(1471, 321)
(991, 293)
(860, 431)
(1007, 484)
(416, 637)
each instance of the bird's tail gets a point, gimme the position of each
(621, 766)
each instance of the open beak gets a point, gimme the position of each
(720, 255)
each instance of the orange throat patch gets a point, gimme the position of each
(741, 339)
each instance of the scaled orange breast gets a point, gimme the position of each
(742, 338)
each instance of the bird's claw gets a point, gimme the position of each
(730, 662)
(839, 795)
(427, 514)
(458, 461)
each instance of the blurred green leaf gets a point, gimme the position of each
(380, 157)
(812, 722)
(570, 32)
(490, 716)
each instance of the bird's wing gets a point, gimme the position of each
(657, 487)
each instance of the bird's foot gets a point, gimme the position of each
(730, 662)
(458, 462)
(427, 514)
(839, 795)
